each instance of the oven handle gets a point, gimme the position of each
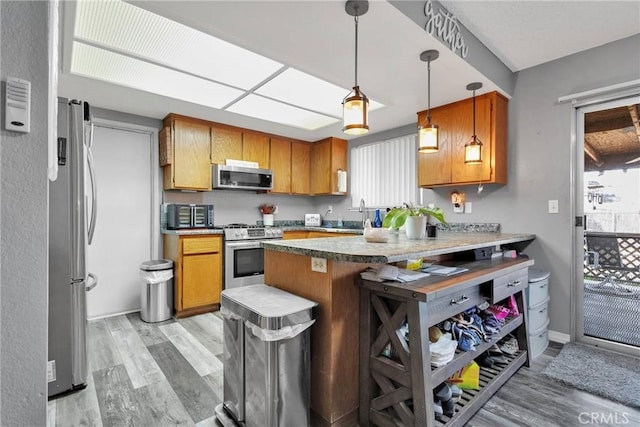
(243, 245)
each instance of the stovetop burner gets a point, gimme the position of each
(237, 231)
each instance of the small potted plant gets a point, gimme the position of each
(414, 218)
(267, 210)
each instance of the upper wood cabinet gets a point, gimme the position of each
(239, 144)
(225, 144)
(329, 155)
(185, 146)
(289, 161)
(255, 148)
(447, 166)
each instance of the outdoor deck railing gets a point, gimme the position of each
(618, 255)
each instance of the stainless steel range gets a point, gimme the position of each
(244, 258)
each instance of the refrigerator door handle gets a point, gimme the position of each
(94, 196)
(92, 282)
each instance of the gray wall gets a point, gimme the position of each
(23, 222)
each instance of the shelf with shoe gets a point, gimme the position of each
(399, 391)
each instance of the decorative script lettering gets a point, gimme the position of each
(446, 28)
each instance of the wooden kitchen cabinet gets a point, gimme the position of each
(197, 272)
(289, 161)
(315, 234)
(185, 147)
(295, 234)
(329, 155)
(225, 144)
(235, 143)
(447, 166)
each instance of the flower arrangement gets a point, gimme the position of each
(266, 209)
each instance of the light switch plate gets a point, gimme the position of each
(319, 265)
(553, 206)
(468, 207)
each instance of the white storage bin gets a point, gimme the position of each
(538, 289)
(538, 315)
(538, 340)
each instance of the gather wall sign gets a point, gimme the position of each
(445, 26)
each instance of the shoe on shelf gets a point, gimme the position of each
(456, 392)
(485, 360)
(442, 392)
(497, 355)
(509, 345)
(437, 409)
(448, 407)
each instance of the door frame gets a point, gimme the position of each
(585, 102)
(155, 247)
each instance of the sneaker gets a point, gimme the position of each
(456, 392)
(497, 355)
(509, 345)
(448, 407)
(485, 360)
(437, 409)
(442, 392)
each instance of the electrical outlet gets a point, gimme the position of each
(319, 265)
(330, 209)
(553, 206)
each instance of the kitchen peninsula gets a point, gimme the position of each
(326, 270)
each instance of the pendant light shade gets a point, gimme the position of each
(473, 148)
(428, 132)
(355, 106)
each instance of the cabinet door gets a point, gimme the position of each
(328, 155)
(191, 162)
(225, 144)
(297, 234)
(280, 161)
(435, 168)
(255, 148)
(462, 172)
(300, 168)
(201, 279)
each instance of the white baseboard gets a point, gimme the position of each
(559, 337)
(104, 316)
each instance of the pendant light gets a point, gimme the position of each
(428, 132)
(355, 106)
(473, 148)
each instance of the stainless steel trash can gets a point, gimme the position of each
(156, 295)
(266, 356)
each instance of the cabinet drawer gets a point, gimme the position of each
(201, 245)
(452, 304)
(509, 284)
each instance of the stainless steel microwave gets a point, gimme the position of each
(189, 216)
(241, 178)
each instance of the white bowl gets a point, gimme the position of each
(377, 235)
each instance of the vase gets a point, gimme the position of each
(267, 219)
(416, 226)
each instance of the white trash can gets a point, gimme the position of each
(156, 296)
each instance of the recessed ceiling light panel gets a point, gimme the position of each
(126, 28)
(274, 111)
(107, 66)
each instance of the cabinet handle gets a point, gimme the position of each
(513, 284)
(462, 300)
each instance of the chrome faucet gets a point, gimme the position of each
(363, 211)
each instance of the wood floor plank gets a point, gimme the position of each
(103, 352)
(80, 408)
(149, 332)
(209, 422)
(196, 396)
(141, 367)
(202, 360)
(207, 329)
(216, 382)
(51, 413)
(166, 409)
(118, 401)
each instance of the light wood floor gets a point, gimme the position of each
(170, 374)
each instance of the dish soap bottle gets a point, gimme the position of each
(340, 221)
(377, 222)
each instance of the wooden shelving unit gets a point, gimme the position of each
(399, 391)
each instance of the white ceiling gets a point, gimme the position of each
(317, 37)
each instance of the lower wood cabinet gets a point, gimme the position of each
(295, 234)
(197, 270)
(311, 234)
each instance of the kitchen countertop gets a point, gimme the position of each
(398, 248)
(196, 231)
(193, 231)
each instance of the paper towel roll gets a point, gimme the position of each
(342, 181)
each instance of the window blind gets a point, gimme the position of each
(384, 173)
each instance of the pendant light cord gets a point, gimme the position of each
(475, 138)
(429, 91)
(355, 18)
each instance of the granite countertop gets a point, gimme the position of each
(398, 248)
(325, 229)
(193, 231)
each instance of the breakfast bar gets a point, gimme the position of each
(327, 270)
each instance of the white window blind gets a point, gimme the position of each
(384, 173)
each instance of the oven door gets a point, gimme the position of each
(244, 264)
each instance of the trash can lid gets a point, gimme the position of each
(268, 307)
(156, 264)
(536, 275)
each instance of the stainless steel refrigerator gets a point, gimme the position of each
(72, 215)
